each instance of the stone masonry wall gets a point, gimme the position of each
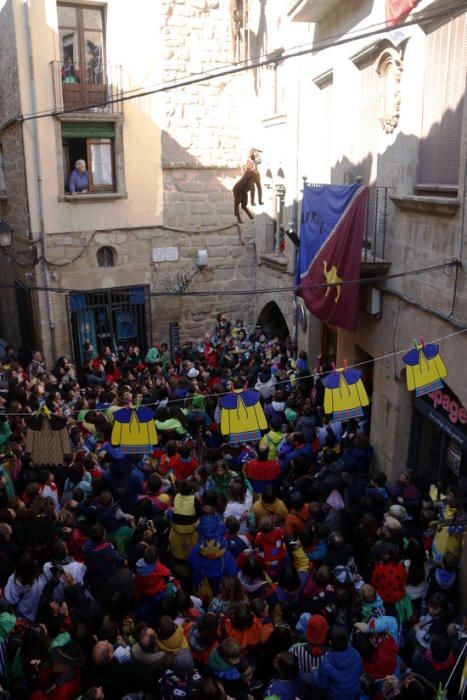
(14, 208)
(205, 140)
(133, 267)
(9, 82)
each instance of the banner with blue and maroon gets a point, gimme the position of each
(331, 236)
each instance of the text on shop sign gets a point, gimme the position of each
(456, 412)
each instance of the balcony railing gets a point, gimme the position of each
(84, 87)
(376, 216)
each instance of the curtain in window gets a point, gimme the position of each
(101, 163)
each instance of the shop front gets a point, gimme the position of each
(438, 438)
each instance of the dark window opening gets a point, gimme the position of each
(95, 144)
(106, 256)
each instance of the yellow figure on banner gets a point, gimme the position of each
(332, 278)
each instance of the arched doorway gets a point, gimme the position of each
(272, 320)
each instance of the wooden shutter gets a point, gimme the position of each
(88, 130)
(445, 73)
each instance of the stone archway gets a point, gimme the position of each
(272, 320)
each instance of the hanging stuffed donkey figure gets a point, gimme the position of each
(240, 193)
(247, 183)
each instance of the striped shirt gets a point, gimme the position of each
(306, 662)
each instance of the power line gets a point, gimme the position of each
(385, 356)
(243, 62)
(252, 292)
(320, 46)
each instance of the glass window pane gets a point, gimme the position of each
(66, 16)
(94, 57)
(69, 46)
(101, 163)
(92, 19)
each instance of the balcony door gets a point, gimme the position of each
(82, 55)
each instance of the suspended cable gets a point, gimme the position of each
(266, 290)
(232, 70)
(314, 375)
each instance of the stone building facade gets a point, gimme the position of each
(176, 156)
(357, 106)
(386, 108)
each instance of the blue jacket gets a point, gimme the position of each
(339, 675)
(125, 481)
(357, 461)
(304, 450)
(286, 690)
(203, 559)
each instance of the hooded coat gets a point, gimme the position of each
(277, 507)
(174, 643)
(339, 675)
(272, 548)
(24, 598)
(209, 557)
(151, 579)
(266, 385)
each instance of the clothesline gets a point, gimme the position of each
(314, 375)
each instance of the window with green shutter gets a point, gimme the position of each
(93, 142)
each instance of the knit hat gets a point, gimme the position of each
(398, 512)
(316, 633)
(183, 663)
(392, 523)
(342, 574)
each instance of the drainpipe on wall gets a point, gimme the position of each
(38, 180)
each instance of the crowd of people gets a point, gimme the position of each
(285, 567)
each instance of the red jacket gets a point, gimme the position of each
(296, 520)
(57, 688)
(266, 470)
(271, 546)
(150, 584)
(183, 468)
(384, 661)
(390, 580)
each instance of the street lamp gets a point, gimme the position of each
(5, 234)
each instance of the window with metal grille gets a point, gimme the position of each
(444, 89)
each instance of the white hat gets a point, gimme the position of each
(398, 512)
(193, 373)
(392, 523)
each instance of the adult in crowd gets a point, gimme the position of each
(272, 563)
